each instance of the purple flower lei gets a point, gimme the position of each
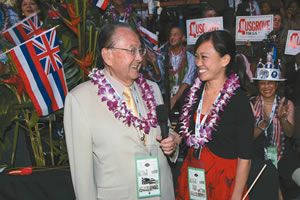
(231, 84)
(126, 15)
(119, 108)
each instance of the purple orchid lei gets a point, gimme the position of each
(126, 15)
(119, 108)
(231, 84)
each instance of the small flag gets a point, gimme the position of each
(40, 66)
(149, 37)
(24, 30)
(100, 3)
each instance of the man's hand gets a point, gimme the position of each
(168, 145)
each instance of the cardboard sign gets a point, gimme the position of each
(253, 28)
(196, 27)
(292, 45)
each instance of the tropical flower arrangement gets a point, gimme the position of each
(77, 25)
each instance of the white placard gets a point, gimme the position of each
(253, 28)
(292, 46)
(196, 27)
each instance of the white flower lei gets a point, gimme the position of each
(231, 84)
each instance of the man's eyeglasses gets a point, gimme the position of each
(134, 52)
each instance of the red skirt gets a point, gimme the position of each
(219, 174)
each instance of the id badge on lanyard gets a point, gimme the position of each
(271, 152)
(272, 155)
(197, 185)
(196, 175)
(147, 176)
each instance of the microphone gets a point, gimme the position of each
(162, 117)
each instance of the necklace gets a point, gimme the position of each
(268, 103)
(118, 106)
(230, 85)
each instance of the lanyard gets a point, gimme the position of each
(272, 113)
(199, 125)
(139, 110)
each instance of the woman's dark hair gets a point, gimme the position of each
(38, 3)
(224, 43)
(105, 38)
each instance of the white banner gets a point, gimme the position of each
(196, 27)
(253, 28)
(292, 45)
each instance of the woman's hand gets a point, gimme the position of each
(283, 110)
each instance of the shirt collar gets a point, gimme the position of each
(117, 85)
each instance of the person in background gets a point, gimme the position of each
(248, 8)
(274, 127)
(150, 68)
(266, 8)
(291, 19)
(111, 126)
(292, 85)
(26, 8)
(275, 43)
(209, 11)
(120, 11)
(181, 64)
(217, 121)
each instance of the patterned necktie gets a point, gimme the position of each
(131, 105)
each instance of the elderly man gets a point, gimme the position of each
(113, 139)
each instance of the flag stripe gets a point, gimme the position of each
(42, 86)
(56, 91)
(28, 79)
(100, 3)
(40, 76)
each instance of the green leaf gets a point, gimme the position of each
(33, 119)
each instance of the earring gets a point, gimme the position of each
(23, 14)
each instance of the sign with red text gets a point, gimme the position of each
(196, 27)
(292, 45)
(253, 28)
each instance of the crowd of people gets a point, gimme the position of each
(237, 110)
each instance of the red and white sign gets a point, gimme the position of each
(196, 27)
(292, 46)
(253, 28)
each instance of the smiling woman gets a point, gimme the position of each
(219, 141)
(274, 126)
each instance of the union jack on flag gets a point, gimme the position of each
(24, 30)
(40, 66)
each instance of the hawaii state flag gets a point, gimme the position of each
(150, 38)
(24, 30)
(100, 3)
(40, 66)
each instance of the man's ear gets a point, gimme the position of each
(226, 60)
(107, 56)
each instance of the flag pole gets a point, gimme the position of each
(261, 171)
